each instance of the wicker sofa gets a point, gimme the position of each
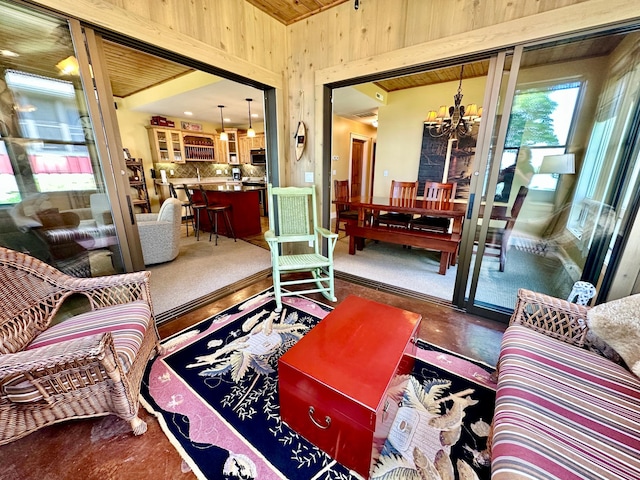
(567, 407)
(87, 365)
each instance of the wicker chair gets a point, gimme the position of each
(293, 226)
(88, 365)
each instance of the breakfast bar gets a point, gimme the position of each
(245, 207)
(244, 197)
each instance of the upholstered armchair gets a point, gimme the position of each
(87, 365)
(160, 232)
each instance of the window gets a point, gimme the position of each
(541, 120)
(48, 115)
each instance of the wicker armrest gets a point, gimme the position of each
(113, 289)
(51, 357)
(552, 316)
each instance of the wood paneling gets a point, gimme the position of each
(132, 71)
(231, 35)
(336, 43)
(290, 11)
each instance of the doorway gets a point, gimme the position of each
(558, 132)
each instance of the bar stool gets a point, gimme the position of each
(185, 205)
(213, 210)
(196, 208)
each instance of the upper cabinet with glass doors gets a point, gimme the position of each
(166, 145)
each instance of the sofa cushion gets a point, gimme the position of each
(20, 390)
(563, 412)
(127, 324)
(618, 324)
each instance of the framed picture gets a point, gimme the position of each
(194, 127)
(433, 160)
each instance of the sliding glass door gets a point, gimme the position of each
(555, 172)
(56, 169)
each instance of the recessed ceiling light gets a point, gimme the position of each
(254, 115)
(8, 53)
(227, 119)
(188, 113)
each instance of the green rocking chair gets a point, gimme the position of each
(293, 228)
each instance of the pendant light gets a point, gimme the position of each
(223, 135)
(251, 132)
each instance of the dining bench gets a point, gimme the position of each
(445, 243)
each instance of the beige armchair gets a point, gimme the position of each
(160, 232)
(88, 365)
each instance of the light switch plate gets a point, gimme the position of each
(308, 177)
(218, 172)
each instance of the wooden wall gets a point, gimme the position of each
(342, 43)
(337, 44)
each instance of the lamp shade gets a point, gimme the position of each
(471, 111)
(432, 117)
(561, 164)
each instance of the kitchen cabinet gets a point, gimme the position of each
(246, 144)
(166, 145)
(227, 152)
(198, 147)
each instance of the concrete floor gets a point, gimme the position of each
(104, 448)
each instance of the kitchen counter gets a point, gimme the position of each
(245, 207)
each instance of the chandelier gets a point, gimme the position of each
(457, 121)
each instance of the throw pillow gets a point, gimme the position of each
(618, 324)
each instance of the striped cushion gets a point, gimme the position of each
(563, 413)
(20, 390)
(127, 324)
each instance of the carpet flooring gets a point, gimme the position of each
(203, 267)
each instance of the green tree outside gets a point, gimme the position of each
(530, 122)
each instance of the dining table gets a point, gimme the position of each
(368, 207)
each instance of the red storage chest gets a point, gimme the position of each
(339, 386)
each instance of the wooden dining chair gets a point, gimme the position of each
(497, 240)
(437, 196)
(402, 194)
(343, 212)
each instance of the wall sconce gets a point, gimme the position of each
(251, 132)
(68, 66)
(223, 135)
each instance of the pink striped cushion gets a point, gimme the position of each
(127, 324)
(563, 413)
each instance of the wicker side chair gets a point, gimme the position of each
(88, 365)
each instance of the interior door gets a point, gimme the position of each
(550, 176)
(357, 160)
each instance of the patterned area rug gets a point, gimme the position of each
(215, 394)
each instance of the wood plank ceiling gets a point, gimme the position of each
(291, 11)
